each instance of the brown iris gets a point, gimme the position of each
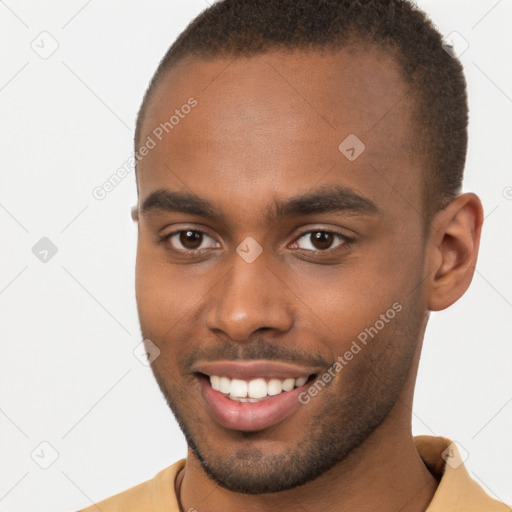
(321, 239)
(191, 239)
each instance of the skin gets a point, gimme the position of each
(266, 129)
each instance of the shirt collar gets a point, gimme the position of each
(456, 491)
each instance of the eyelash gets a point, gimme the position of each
(194, 252)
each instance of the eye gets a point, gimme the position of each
(189, 240)
(192, 241)
(321, 240)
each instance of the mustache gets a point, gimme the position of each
(257, 350)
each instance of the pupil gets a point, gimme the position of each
(190, 239)
(322, 240)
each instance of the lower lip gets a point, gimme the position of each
(249, 416)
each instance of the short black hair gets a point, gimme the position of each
(434, 76)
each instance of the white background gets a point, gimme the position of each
(69, 326)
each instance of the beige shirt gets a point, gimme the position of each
(456, 492)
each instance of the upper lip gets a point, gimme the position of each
(248, 370)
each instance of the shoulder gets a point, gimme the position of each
(149, 496)
(456, 490)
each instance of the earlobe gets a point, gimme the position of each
(135, 213)
(453, 250)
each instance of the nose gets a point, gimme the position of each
(250, 298)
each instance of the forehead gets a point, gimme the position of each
(281, 122)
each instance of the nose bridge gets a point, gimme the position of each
(250, 297)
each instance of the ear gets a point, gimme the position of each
(452, 250)
(135, 213)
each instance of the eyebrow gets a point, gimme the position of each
(326, 199)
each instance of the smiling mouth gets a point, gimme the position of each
(255, 390)
(252, 396)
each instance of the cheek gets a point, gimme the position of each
(358, 300)
(167, 294)
(349, 293)
(154, 288)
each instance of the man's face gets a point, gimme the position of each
(340, 269)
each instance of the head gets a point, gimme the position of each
(300, 203)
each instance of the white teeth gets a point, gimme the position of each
(254, 390)
(298, 382)
(288, 384)
(274, 387)
(215, 382)
(257, 388)
(225, 384)
(238, 388)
